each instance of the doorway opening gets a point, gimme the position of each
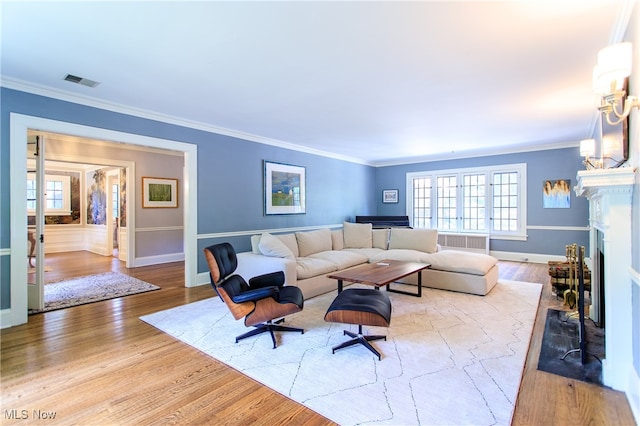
(19, 129)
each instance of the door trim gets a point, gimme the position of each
(19, 126)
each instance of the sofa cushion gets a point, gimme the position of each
(369, 253)
(290, 241)
(406, 255)
(357, 235)
(274, 247)
(460, 261)
(313, 242)
(341, 258)
(337, 239)
(424, 240)
(380, 238)
(308, 267)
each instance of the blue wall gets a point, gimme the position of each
(230, 182)
(541, 166)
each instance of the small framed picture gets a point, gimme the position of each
(390, 196)
(159, 192)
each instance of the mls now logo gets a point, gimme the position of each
(26, 414)
(16, 414)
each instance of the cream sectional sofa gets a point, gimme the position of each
(306, 258)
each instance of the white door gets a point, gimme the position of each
(36, 290)
(113, 228)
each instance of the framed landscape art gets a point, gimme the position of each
(284, 188)
(159, 192)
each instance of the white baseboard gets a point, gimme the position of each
(203, 278)
(633, 393)
(6, 320)
(156, 260)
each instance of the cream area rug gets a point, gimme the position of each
(91, 288)
(449, 358)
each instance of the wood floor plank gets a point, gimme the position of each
(100, 364)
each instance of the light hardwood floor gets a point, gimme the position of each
(99, 364)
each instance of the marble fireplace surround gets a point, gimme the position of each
(609, 192)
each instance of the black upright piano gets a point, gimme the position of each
(385, 221)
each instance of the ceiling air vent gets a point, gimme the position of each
(79, 80)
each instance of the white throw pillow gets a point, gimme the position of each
(314, 241)
(273, 247)
(357, 235)
(424, 240)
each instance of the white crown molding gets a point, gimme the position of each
(502, 150)
(28, 87)
(622, 23)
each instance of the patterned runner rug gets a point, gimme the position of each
(449, 358)
(91, 288)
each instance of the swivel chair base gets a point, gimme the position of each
(270, 327)
(359, 338)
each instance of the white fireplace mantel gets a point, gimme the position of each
(599, 181)
(609, 192)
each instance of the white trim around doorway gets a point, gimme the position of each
(19, 126)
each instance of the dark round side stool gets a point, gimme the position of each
(361, 306)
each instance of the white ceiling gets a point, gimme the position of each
(372, 82)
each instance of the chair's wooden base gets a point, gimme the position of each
(359, 338)
(270, 327)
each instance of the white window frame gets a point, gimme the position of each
(520, 168)
(66, 195)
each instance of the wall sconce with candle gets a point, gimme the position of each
(610, 77)
(588, 151)
(609, 81)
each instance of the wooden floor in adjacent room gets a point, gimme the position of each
(99, 364)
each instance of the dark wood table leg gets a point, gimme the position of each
(418, 294)
(339, 286)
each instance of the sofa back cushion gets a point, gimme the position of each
(311, 242)
(425, 240)
(290, 241)
(380, 238)
(274, 247)
(337, 239)
(357, 235)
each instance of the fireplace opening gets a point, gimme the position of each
(597, 302)
(573, 343)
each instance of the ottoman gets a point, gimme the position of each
(361, 306)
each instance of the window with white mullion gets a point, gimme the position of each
(490, 199)
(422, 188)
(57, 195)
(473, 202)
(54, 194)
(505, 202)
(31, 194)
(447, 202)
(115, 200)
